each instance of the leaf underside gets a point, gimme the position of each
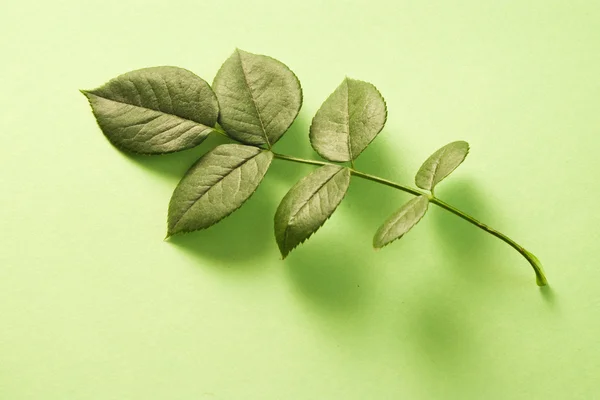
(441, 164)
(308, 204)
(348, 121)
(155, 110)
(259, 98)
(218, 184)
(401, 221)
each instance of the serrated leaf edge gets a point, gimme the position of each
(267, 141)
(90, 92)
(352, 156)
(431, 186)
(342, 169)
(170, 234)
(413, 225)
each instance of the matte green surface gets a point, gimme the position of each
(95, 306)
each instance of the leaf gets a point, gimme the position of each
(348, 121)
(259, 97)
(218, 184)
(440, 164)
(155, 110)
(308, 204)
(401, 221)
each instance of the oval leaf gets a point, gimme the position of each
(218, 184)
(155, 110)
(348, 121)
(259, 97)
(440, 164)
(308, 204)
(401, 222)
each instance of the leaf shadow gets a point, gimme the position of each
(173, 165)
(295, 143)
(235, 241)
(443, 340)
(549, 297)
(332, 272)
(465, 244)
(241, 239)
(440, 331)
(329, 278)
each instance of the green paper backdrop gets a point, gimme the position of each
(95, 306)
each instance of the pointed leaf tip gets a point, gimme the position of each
(441, 164)
(401, 221)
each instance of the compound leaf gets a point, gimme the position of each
(155, 110)
(441, 164)
(401, 221)
(218, 184)
(348, 121)
(308, 204)
(259, 97)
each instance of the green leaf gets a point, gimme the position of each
(401, 221)
(308, 204)
(259, 97)
(348, 121)
(440, 164)
(218, 184)
(155, 110)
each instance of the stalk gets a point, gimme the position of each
(540, 277)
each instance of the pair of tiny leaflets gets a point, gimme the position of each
(437, 167)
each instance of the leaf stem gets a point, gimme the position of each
(535, 263)
(221, 132)
(540, 277)
(407, 189)
(301, 160)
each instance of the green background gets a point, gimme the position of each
(94, 305)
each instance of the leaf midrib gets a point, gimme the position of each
(436, 167)
(402, 214)
(348, 119)
(262, 125)
(388, 227)
(213, 185)
(146, 108)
